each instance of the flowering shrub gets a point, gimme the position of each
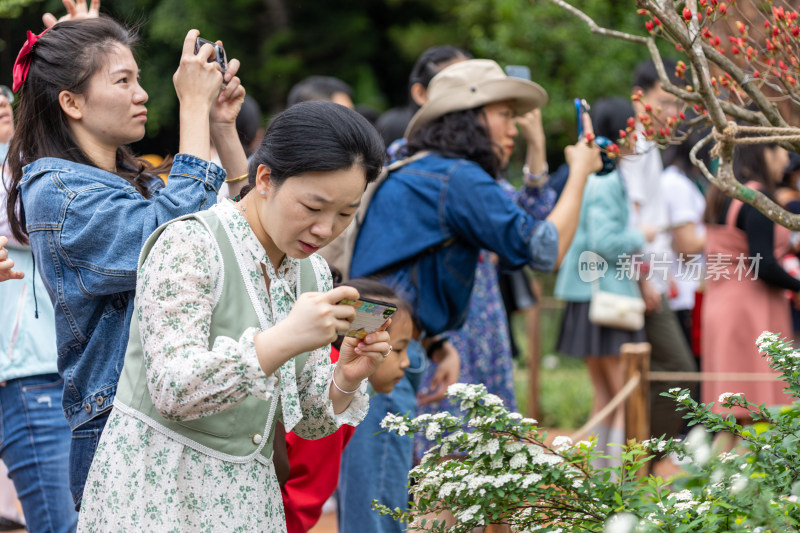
(492, 466)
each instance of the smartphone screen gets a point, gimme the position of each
(370, 316)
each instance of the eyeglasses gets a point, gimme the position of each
(8, 93)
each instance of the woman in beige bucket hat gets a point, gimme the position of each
(428, 221)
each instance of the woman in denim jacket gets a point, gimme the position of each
(427, 223)
(32, 427)
(87, 205)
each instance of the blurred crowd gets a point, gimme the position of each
(200, 327)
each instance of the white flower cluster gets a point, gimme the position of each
(518, 460)
(468, 514)
(737, 483)
(621, 523)
(685, 500)
(727, 456)
(727, 397)
(433, 430)
(396, 423)
(655, 444)
(562, 442)
(765, 339)
(488, 447)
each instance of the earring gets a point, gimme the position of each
(262, 193)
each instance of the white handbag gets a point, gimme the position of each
(616, 311)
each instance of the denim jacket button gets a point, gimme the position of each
(100, 400)
(88, 407)
(256, 439)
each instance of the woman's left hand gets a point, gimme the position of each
(358, 359)
(531, 128)
(227, 105)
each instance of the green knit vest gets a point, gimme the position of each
(236, 434)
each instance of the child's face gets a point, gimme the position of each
(393, 368)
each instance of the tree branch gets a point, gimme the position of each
(595, 28)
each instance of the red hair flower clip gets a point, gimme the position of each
(23, 63)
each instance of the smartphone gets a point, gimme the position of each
(609, 164)
(219, 52)
(370, 316)
(581, 107)
(518, 71)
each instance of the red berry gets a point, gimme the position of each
(687, 14)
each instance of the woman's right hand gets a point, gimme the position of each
(315, 318)
(197, 82)
(6, 264)
(582, 156)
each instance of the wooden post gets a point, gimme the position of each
(636, 359)
(532, 323)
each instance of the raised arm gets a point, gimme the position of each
(583, 159)
(224, 111)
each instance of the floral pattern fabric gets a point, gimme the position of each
(142, 479)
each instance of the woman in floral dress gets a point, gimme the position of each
(223, 341)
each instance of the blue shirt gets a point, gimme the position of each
(86, 227)
(435, 200)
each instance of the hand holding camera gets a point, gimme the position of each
(199, 77)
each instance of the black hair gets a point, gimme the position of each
(678, 154)
(317, 136)
(64, 59)
(749, 164)
(430, 62)
(317, 88)
(392, 123)
(459, 134)
(248, 121)
(609, 115)
(646, 75)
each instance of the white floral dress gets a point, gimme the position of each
(143, 480)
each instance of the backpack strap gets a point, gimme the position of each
(339, 252)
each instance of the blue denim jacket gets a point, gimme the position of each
(86, 228)
(433, 200)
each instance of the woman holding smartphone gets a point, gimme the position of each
(232, 325)
(453, 205)
(87, 205)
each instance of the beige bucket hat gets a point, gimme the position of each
(474, 83)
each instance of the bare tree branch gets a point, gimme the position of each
(599, 29)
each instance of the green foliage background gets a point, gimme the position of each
(371, 44)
